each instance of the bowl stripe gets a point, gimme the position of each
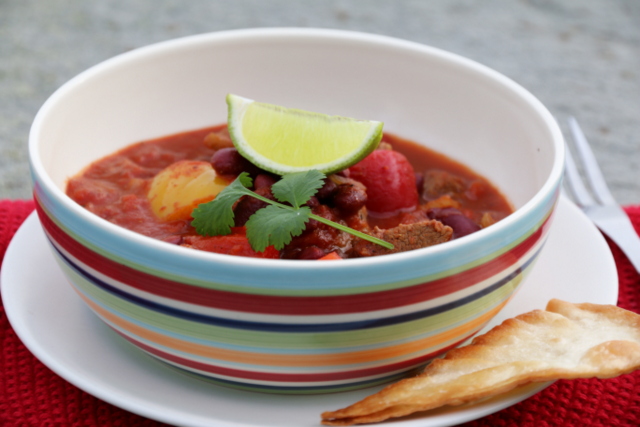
(436, 271)
(336, 358)
(271, 387)
(308, 319)
(234, 356)
(289, 324)
(291, 305)
(283, 377)
(278, 378)
(260, 357)
(288, 343)
(256, 358)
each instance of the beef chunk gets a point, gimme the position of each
(218, 139)
(405, 237)
(439, 183)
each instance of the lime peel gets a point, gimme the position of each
(286, 140)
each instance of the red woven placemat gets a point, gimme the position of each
(32, 395)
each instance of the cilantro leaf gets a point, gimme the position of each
(297, 188)
(215, 218)
(275, 225)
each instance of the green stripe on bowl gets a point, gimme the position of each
(187, 329)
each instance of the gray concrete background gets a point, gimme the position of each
(579, 57)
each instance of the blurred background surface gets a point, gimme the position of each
(580, 58)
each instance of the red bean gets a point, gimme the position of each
(311, 252)
(452, 217)
(313, 202)
(247, 206)
(349, 198)
(327, 191)
(263, 180)
(228, 161)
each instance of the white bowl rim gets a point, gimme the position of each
(549, 185)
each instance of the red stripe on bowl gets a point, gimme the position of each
(286, 305)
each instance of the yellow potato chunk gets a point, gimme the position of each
(178, 189)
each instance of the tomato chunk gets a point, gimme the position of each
(235, 243)
(390, 182)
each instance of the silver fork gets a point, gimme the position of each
(601, 208)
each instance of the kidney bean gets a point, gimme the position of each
(452, 217)
(349, 199)
(311, 252)
(263, 180)
(313, 202)
(327, 191)
(461, 225)
(228, 161)
(437, 213)
(247, 206)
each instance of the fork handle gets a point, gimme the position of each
(619, 229)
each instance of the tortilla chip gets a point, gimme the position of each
(564, 342)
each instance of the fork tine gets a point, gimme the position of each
(591, 168)
(574, 182)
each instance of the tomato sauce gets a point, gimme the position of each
(116, 188)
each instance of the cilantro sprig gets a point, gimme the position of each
(275, 224)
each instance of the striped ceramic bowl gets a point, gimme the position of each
(297, 326)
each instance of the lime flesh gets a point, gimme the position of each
(285, 140)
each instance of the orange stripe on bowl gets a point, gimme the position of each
(298, 360)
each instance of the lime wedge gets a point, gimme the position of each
(285, 140)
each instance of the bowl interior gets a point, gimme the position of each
(448, 103)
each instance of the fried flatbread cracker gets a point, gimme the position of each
(564, 342)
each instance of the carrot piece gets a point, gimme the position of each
(330, 256)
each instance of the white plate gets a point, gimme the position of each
(576, 265)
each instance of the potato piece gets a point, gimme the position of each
(178, 189)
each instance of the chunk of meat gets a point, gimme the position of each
(405, 237)
(218, 139)
(439, 183)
